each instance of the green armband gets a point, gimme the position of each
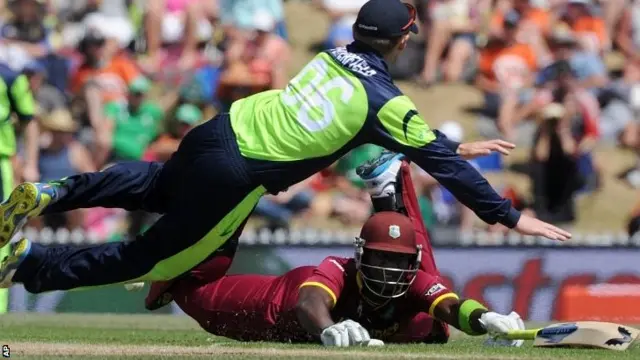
(468, 315)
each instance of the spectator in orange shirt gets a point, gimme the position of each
(532, 19)
(101, 78)
(506, 75)
(590, 30)
(112, 74)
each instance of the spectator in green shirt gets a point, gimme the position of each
(134, 124)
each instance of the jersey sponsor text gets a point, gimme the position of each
(353, 62)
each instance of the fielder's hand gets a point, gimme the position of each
(345, 333)
(528, 225)
(472, 150)
(498, 325)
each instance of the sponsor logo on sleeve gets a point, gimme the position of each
(437, 288)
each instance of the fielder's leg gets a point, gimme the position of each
(213, 268)
(176, 243)
(207, 196)
(6, 184)
(127, 185)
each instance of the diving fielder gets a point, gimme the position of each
(343, 98)
(390, 290)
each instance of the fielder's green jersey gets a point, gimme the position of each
(344, 98)
(15, 96)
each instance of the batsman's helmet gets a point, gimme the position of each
(387, 256)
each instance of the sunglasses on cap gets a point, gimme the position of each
(413, 14)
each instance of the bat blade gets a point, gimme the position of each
(593, 334)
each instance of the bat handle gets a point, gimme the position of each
(521, 334)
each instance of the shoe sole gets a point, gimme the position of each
(381, 168)
(16, 210)
(8, 267)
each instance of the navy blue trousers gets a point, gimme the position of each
(199, 186)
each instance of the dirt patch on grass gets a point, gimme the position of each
(216, 351)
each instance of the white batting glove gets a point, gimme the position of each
(335, 335)
(345, 333)
(357, 333)
(498, 325)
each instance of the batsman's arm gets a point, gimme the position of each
(464, 314)
(401, 129)
(467, 315)
(313, 308)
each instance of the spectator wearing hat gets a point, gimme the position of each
(186, 117)
(135, 123)
(590, 29)
(26, 28)
(62, 156)
(506, 75)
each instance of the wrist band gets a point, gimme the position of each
(470, 310)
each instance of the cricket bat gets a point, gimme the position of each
(592, 334)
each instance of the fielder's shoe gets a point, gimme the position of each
(25, 201)
(10, 263)
(379, 175)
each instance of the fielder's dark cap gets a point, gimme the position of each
(386, 19)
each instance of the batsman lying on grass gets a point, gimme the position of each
(390, 290)
(268, 142)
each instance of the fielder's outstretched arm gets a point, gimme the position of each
(401, 129)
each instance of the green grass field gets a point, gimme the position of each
(160, 337)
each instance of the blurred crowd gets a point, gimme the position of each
(560, 77)
(118, 80)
